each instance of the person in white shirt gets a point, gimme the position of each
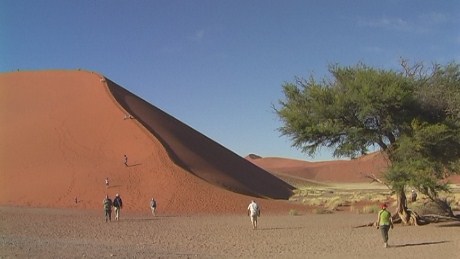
(253, 213)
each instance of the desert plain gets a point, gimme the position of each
(68, 233)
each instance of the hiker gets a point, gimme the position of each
(384, 222)
(153, 206)
(253, 212)
(106, 182)
(107, 202)
(413, 196)
(117, 204)
(128, 117)
(126, 160)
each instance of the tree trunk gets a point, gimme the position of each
(401, 207)
(407, 216)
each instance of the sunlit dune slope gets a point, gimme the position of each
(63, 132)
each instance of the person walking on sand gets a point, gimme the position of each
(384, 222)
(107, 202)
(117, 204)
(126, 160)
(253, 213)
(106, 182)
(153, 206)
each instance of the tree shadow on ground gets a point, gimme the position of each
(421, 244)
(279, 228)
(154, 218)
(141, 219)
(455, 224)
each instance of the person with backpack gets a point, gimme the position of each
(253, 212)
(118, 205)
(107, 202)
(384, 222)
(153, 206)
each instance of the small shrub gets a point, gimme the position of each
(334, 203)
(293, 212)
(370, 209)
(322, 211)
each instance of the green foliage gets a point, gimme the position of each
(360, 107)
(413, 115)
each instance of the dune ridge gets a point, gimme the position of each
(200, 155)
(63, 133)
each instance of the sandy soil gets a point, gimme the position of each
(67, 233)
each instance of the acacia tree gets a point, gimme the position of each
(360, 107)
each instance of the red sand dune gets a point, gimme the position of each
(337, 171)
(64, 132)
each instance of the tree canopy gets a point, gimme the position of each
(412, 115)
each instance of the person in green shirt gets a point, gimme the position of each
(384, 222)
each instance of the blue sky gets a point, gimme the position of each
(218, 66)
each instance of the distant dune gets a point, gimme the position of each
(337, 171)
(64, 132)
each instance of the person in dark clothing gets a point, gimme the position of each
(117, 204)
(126, 160)
(153, 206)
(107, 202)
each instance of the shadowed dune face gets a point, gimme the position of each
(63, 133)
(200, 155)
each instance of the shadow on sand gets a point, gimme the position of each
(279, 228)
(154, 218)
(420, 244)
(133, 165)
(455, 224)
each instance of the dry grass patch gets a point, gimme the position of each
(329, 199)
(369, 209)
(294, 212)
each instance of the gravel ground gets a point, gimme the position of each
(67, 233)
